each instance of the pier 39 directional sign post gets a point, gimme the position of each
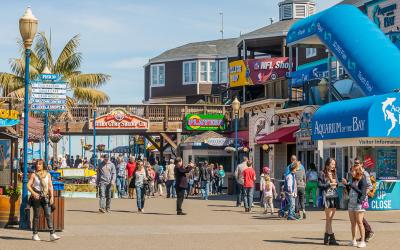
(49, 93)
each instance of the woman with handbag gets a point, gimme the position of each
(41, 188)
(328, 184)
(358, 202)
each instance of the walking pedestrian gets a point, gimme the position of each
(205, 178)
(160, 180)
(300, 175)
(151, 179)
(221, 176)
(249, 176)
(371, 188)
(312, 184)
(41, 188)
(106, 176)
(170, 179)
(181, 183)
(328, 184)
(264, 174)
(291, 190)
(121, 177)
(239, 180)
(131, 168)
(140, 183)
(357, 190)
(269, 194)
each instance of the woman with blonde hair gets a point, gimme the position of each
(41, 188)
(269, 193)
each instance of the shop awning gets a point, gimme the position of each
(373, 116)
(282, 135)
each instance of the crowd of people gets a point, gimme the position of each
(139, 179)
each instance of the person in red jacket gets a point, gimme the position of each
(249, 176)
(131, 168)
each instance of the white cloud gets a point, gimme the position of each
(130, 63)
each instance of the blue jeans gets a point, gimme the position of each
(248, 197)
(121, 183)
(240, 194)
(171, 188)
(105, 195)
(205, 188)
(220, 185)
(291, 206)
(140, 197)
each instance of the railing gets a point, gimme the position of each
(152, 112)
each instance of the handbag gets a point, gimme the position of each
(331, 193)
(364, 204)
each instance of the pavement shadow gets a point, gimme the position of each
(157, 213)
(294, 242)
(266, 218)
(83, 211)
(227, 210)
(214, 205)
(13, 238)
(318, 239)
(384, 222)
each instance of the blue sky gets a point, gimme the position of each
(118, 37)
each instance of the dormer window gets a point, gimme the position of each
(295, 9)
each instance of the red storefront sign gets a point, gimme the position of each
(120, 119)
(267, 69)
(369, 162)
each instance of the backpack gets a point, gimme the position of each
(371, 193)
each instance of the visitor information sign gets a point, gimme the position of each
(49, 93)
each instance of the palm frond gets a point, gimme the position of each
(18, 68)
(90, 96)
(70, 64)
(10, 81)
(69, 54)
(43, 50)
(18, 93)
(93, 80)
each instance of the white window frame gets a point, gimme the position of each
(226, 71)
(157, 68)
(208, 71)
(311, 52)
(190, 72)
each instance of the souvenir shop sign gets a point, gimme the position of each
(219, 142)
(120, 119)
(205, 122)
(9, 118)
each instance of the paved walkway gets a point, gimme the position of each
(212, 224)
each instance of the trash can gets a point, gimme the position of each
(231, 182)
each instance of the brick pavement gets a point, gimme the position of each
(213, 224)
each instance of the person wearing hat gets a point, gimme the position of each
(263, 176)
(106, 176)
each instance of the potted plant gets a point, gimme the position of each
(55, 138)
(101, 147)
(87, 147)
(9, 206)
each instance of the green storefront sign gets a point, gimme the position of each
(205, 122)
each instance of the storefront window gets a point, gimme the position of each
(220, 160)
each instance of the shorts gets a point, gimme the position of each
(332, 203)
(355, 207)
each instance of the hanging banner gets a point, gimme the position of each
(257, 71)
(120, 119)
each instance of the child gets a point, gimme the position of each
(269, 194)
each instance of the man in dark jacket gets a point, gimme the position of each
(205, 178)
(181, 183)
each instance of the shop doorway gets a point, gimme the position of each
(291, 150)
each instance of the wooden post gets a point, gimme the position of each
(166, 118)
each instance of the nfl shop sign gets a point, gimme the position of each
(120, 119)
(267, 69)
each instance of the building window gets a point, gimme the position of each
(300, 11)
(223, 71)
(204, 71)
(189, 72)
(213, 72)
(311, 10)
(157, 75)
(286, 12)
(311, 52)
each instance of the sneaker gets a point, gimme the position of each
(180, 213)
(101, 210)
(108, 210)
(362, 244)
(369, 236)
(54, 237)
(291, 218)
(304, 216)
(353, 243)
(35, 237)
(142, 210)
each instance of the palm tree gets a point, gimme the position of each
(83, 87)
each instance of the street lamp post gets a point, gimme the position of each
(27, 27)
(83, 144)
(235, 109)
(94, 138)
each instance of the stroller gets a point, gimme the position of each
(283, 211)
